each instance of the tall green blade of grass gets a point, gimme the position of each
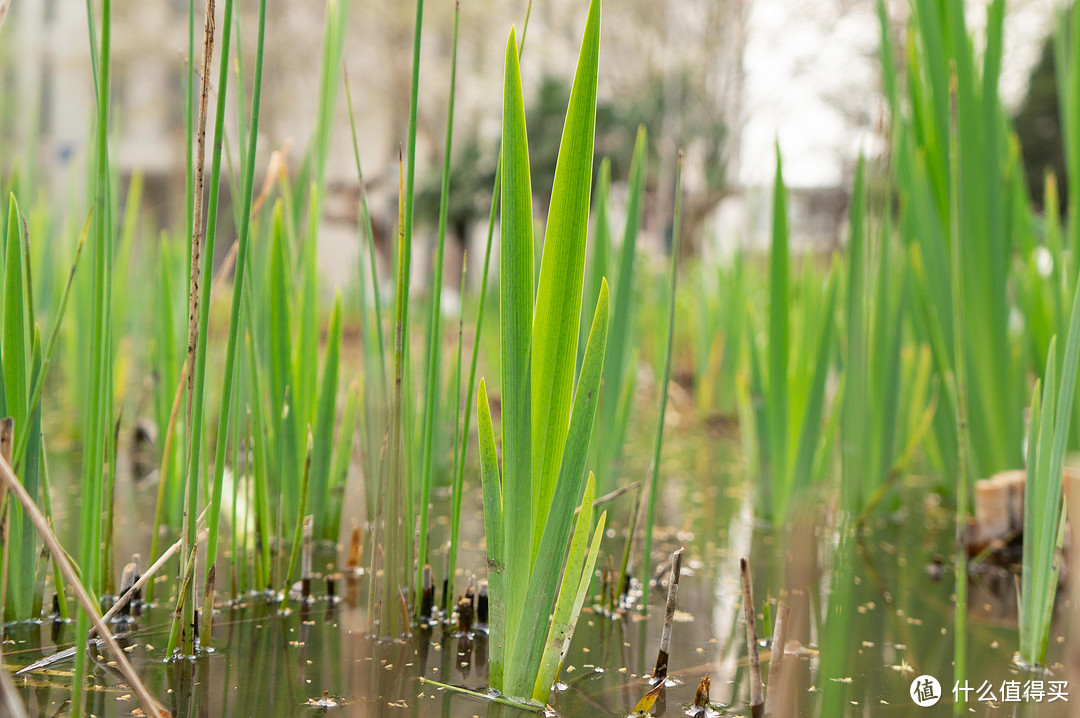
(789, 439)
(516, 314)
(459, 476)
(431, 402)
(562, 269)
(260, 466)
(97, 418)
(15, 348)
(337, 16)
(395, 492)
(1047, 441)
(879, 424)
(410, 178)
(777, 377)
(939, 39)
(1067, 75)
(199, 293)
(580, 562)
(597, 265)
(163, 354)
(527, 568)
(617, 378)
(855, 459)
(960, 384)
(339, 468)
(391, 542)
(294, 551)
(548, 560)
(214, 513)
(305, 366)
(325, 422)
(494, 533)
(30, 576)
(16, 330)
(279, 348)
(815, 433)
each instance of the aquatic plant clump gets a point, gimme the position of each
(547, 423)
(850, 393)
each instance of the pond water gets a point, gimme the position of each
(869, 615)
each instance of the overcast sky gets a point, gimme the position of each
(812, 80)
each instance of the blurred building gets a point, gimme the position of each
(722, 79)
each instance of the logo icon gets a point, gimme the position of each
(925, 691)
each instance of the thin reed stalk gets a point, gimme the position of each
(459, 475)
(231, 366)
(203, 244)
(97, 418)
(431, 404)
(961, 398)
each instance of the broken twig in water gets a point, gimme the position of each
(69, 653)
(41, 524)
(661, 669)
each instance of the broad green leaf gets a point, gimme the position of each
(815, 406)
(516, 317)
(776, 379)
(541, 588)
(619, 338)
(598, 260)
(560, 627)
(583, 586)
(1042, 493)
(493, 531)
(558, 294)
(325, 421)
(306, 360)
(16, 343)
(282, 418)
(260, 460)
(339, 470)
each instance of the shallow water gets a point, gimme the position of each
(868, 616)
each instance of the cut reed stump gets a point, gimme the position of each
(1071, 490)
(353, 562)
(482, 603)
(701, 698)
(127, 581)
(427, 597)
(661, 669)
(305, 560)
(757, 691)
(464, 615)
(999, 508)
